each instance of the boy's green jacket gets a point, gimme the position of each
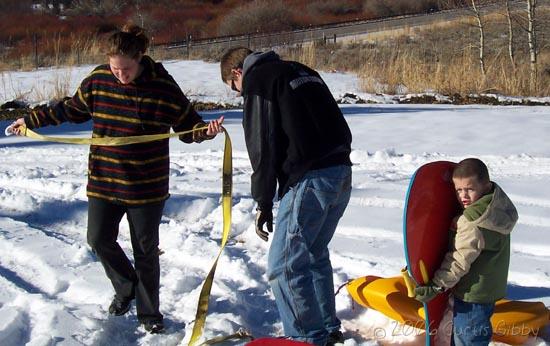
(476, 265)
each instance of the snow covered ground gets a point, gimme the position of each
(54, 291)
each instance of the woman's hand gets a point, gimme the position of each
(16, 127)
(215, 127)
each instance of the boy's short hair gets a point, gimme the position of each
(472, 167)
(232, 59)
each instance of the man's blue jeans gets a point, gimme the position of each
(299, 268)
(472, 323)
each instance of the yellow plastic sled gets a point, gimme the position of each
(513, 321)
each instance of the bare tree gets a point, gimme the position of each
(143, 18)
(511, 51)
(532, 40)
(481, 27)
(474, 10)
(138, 13)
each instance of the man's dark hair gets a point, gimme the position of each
(232, 59)
(472, 167)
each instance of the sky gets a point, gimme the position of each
(53, 291)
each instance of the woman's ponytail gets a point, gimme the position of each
(130, 41)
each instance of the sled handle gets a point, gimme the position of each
(408, 282)
(424, 272)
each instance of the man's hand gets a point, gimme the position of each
(426, 293)
(264, 217)
(215, 127)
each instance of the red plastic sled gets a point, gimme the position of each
(430, 206)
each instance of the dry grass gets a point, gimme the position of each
(405, 71)
(9, 86)
(54, 89)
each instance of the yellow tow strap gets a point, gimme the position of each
(227, 187)
(109, 141)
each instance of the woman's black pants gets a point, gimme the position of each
(143, 281)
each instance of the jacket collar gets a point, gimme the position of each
(148, 72)
(494, 211)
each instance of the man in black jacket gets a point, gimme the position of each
(296, 137)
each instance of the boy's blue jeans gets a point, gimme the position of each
(472, 323)
(299, 268)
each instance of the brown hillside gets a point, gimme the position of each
(55, 28)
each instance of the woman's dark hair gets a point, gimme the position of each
(130, 41)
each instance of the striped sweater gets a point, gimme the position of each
(134, 174)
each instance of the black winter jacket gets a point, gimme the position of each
(292, 124)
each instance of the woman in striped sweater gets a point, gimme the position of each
(132, 95)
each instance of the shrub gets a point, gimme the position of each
(387, 8)
(14, 5)
(97, 7)
(257, 16)
(335, 7)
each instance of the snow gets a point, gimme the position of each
(54, 291)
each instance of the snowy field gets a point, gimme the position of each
(53, 291)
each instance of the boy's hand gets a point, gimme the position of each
(426, 293)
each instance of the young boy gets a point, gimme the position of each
(476, 266)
